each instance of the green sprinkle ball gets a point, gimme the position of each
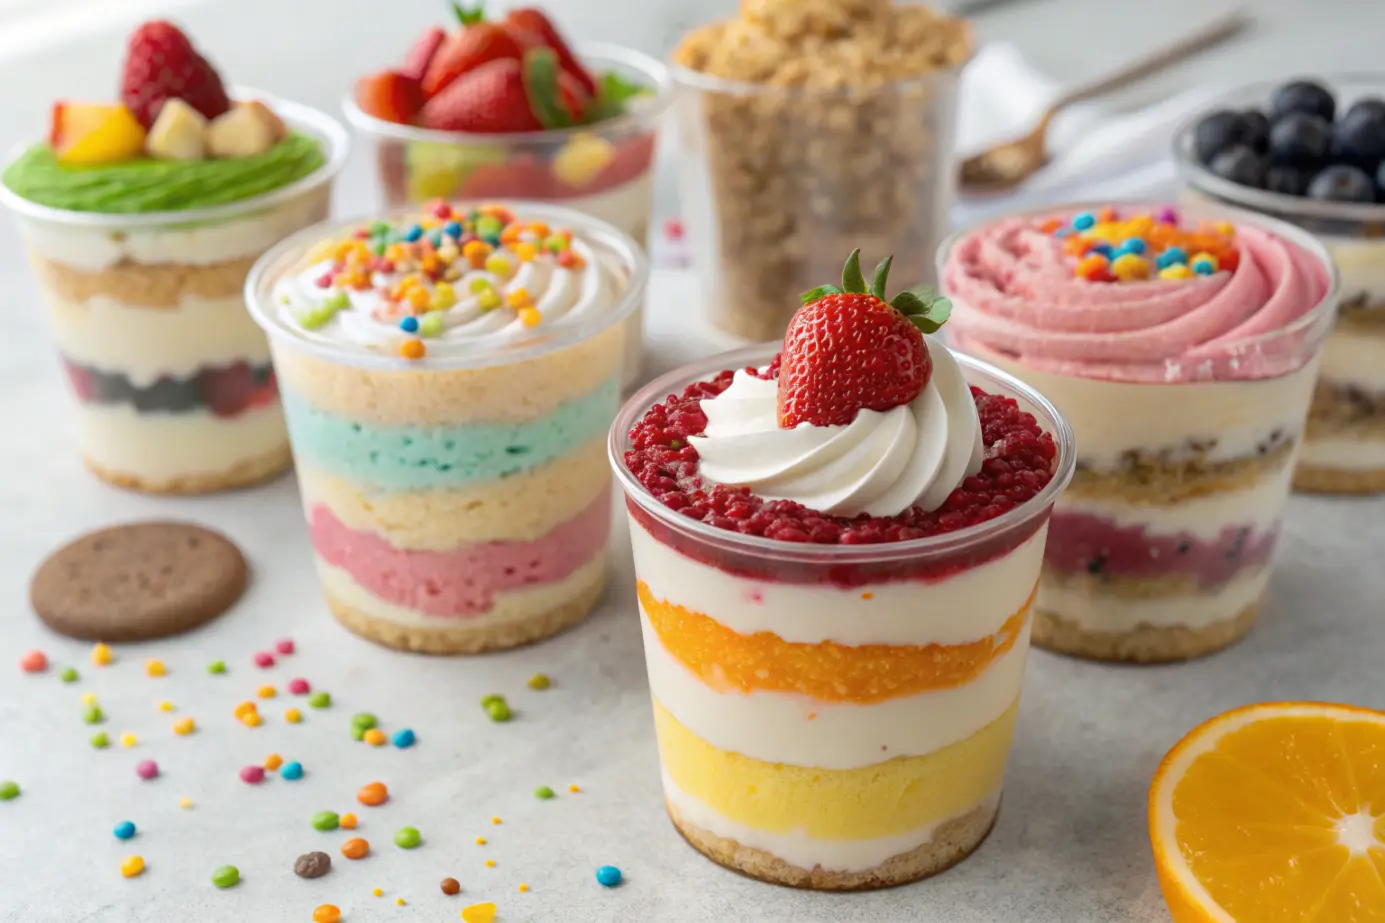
(100, 740)
(499, 711)
(226, 876)
(93, 715)
(216, 667)
(488, 700)
(9, 790)
(326, 820)
(543, 793)
(407, 838)
(357, 733)
(320, 700)
(363, 720)
(539, 681)
(69, 675)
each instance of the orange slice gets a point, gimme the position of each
(1274, 813)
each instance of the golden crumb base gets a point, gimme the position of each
(1144, 644)
(463, 638)
(246, 473)
(1316, 479)
(952, 842)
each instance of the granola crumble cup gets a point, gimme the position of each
(1183, 345)
(809, 127)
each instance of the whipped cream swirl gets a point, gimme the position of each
(881, 463)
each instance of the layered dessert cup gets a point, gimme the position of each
(448, 377)
(1182, 344)
(836, 615)
(807, 129)
(1310, 153)
(510, 110)
(141, 220)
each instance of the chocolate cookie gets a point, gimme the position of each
(138, 582)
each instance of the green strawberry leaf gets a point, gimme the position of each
(882, 275)
(926, 324)
(468, 17)
(928, 316)
(541, 88)
(613, 93)
(852, 280)
(822, 291)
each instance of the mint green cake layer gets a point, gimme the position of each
(141, 186)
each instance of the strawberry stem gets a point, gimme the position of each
(852, 280)
(822, 291)
(925, 309)
(882, 275)
(468, 17)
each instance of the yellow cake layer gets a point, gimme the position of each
(885, 799)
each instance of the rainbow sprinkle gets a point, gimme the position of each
(1106, 248)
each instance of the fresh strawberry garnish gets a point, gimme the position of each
(161, 64)
(421, 54)
(232, 390)
(466, 50)
(848, 349)
(389, 95)
(490, 98)
(537, 24)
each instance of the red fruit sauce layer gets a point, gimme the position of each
(1083, 543)
(1019, 463)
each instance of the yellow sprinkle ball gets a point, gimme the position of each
(1178, 271)
(412, 349)
(101, 655)
(530, 317)
(526, 252)
(523, 888)
(490, 863)
(252, 720)
(496, 820)
(480, 841)
(497, 265)
(519, 298)
(273, 762)
(1130, 267)
(395, 253)
(155, 668)
(185, 803)
(89, 698)
(165, 706)
(399, 902)
(377, 891)
(184, 726)
(266, 692)
(574, 789)
(488, 300)
(131, 866)
(419, 298)
(476, 252)
(293, 716)
(375, 737)
(128, 740)
(243, 709)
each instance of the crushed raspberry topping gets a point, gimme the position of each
(1018, 465)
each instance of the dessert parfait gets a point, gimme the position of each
(1313, 153)
(448, 376)
(141, 218)
(809, 128)
(1182, 344)
(837, 548)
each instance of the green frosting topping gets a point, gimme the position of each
(140, 186)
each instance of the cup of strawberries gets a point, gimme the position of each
(508, 108)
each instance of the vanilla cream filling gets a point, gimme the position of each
(1344, 454)
(165, 446)
(1082, 604)
(1356, 357)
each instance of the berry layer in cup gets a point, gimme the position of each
(447, 377)
(1183, 346)
(836, 615)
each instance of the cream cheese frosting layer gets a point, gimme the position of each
(1016, 293)
(882, 463)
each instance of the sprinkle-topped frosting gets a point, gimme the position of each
(445, 276)
(1105, 247)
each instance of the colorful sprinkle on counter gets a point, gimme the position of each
(1106, 248)
(436, 271)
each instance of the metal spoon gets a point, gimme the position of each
(1012, 162)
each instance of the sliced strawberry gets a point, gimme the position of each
(231, 391)
(465, 51)
(389, 95)
(524, 177)
(536, 22)
(421, 54)
(80, 379)
(161, 64)
(490, 98)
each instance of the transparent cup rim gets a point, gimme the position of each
(651, 68)
(1204, 180)
(312, 121)
(711, 83)
(958, 541)
(290, 250)
(1319, 316)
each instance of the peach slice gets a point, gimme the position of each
(95, 133)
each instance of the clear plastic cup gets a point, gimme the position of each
(1162, 547)
(459, 502)
(777, 183)
(1344, 445)
(834, 716)
(174, 386)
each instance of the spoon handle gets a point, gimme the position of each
(1203, 36)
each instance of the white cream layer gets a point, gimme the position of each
(509, 607)
(779, 727)
(958, 609)
(1344, 454)
(1354, 356)
(94, 249)
(164, 446)
(626, 206)
(1361, 264)
(1107, 612)
(145, 343)
(1113, 418)
(1258, 507)
(806, 852)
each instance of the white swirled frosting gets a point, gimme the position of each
(881, 463)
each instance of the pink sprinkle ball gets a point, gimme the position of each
(298, 687)
(147, 769)
(252, 775)
(264, 660)
(33, 662)
(1166, 216)
(284, 646)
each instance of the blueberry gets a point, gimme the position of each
(1380, 182)
(1300, 140)
(1359, 138)
(1342, 183)
(1303, 96)
(1287, 181)
(1257, 127)
(1241, 166)
(1217, 132)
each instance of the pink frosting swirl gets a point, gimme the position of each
(1016, 295)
